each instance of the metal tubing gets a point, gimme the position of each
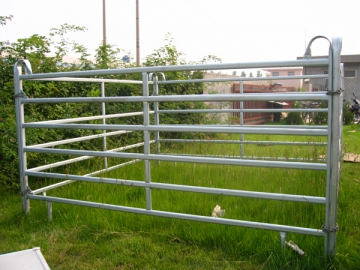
(242, 111)
(146, 140)
(217, 66)
(219, 161)
(66, 182)
(156, 112)
(330, 164)
(180, 98)
(242, 138)
(244, 79)
(215, 191)
(191, 128)
(90, 80)
(103, 114)
(323, 159)
(224, 221)
(245, 142)
(88, 118)
(69, 161)
(334, 155)
(19, 109)
(282, 240)
(79, 139)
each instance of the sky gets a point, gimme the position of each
(234, 30)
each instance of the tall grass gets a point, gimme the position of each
(85, 238)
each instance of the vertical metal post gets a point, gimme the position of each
(146, 139)
(19, 109)
(156, 113)
(334, 147)
(282, 240)
(49, 208)
(137, 34)
(103, 111)
(241, 91)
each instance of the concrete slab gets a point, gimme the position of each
(30, 259)
(348, 157)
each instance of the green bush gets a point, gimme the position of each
(348, 115)
(294, 118)
(34, 50)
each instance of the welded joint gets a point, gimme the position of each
(326, 230)
(20, 95)
(26, 191)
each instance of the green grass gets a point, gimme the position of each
(85, 238)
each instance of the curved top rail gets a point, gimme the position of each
(248, 65)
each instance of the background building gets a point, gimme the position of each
(351, 76)
(286, 71)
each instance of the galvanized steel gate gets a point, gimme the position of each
(333, 132)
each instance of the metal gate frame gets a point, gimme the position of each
(333, 131)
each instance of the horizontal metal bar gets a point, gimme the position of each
(245, 79)
(181, 98)
(252, 157)
(69, 161)
(60, 163)
(291, 126)
(189, 128)
(79, 139)
(66, 182)
(245, 142)
(131, 146)
(232, 222)
(95, 80)
(187, 159)
(154, 185)
(92, 80)
(242, 110)
(97, 117)
(245, 65)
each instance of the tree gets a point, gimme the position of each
(258, 73)
(251, 75)
(243, 74)
(4, 19)
(35, 49)
(169, 55)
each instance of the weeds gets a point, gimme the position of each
(84, 238)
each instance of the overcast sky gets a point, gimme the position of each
(234, 30)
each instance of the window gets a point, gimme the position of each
(291, 73)
(350, 73)
(326, 72)
(275, 73)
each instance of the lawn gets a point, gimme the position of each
(89, 238)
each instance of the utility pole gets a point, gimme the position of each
(137, 35)
(104, 24)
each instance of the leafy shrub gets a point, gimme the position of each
(321, 118)
(294, 118)
(348, 115)
(34, 50)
